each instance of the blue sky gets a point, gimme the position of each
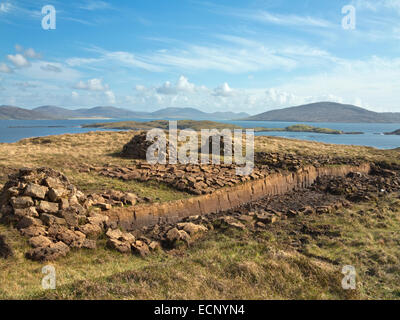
(233, 55)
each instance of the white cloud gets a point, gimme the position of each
(31, 53)
(167, 88)
(221, 98)
(280, 19)
(18, 60)
(223, 91)
(374, 82)
(74, 94)
(5, 7)
(5, 68)
(120, 58)
(91, 85)
(221, 58)
(110, 96)
(268, 17)
(92, 5)
(76, 62)
(377, 5)
(140, 88)
(182, 85)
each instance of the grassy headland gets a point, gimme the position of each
(198, 125)
(226, 265)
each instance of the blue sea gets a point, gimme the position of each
(15, 130)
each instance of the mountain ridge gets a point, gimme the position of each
(326, 112)
(59, 113)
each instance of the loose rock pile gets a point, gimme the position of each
(194, 179)
(138, 146)
(112, 198)
(326, 195)
(45, 207)
(358, 187)
(205, 179)
(272, 161)
(170, 236)
(143, 242)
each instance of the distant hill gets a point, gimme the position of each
(53, 112)
(326, 112)
(10, 112)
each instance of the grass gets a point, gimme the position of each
(299, 258)
(70, 153)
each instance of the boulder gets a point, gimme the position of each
(40, 242)
(48, 207)
(33, 231)
(120, 246)
(175, 235)
(74, 239)
(52, 252)
(114, 234)
(36, 191)
(70, 216)
(55, 195)
(90, 230)
(27, 212)
(98, 219)
(27, 221)
(21, 202)
(193, 229)
(49, 219)
(140, 248)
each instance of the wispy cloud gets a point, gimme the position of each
(91, 85)
(269, 17)
(122, 58)
(93, 5)
(378, 5)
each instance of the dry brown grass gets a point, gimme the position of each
(309, 148)
(71, 152)
(229, 265)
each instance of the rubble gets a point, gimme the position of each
(45, 207)
(138, 146)
(30, 198)
(190, 178)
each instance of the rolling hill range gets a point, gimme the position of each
(326, 112)
(53, 112)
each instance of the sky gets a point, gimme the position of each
(241, 56)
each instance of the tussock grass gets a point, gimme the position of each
(283, 262)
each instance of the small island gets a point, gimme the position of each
(198, 125)
(305, 128)
(394, 133)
